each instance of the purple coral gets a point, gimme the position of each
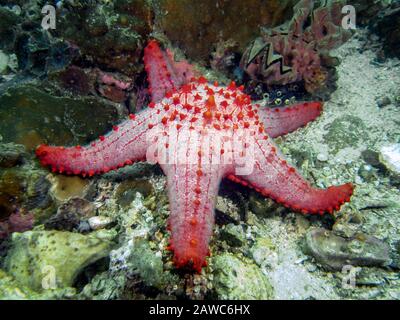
(293, 52)
(16, 222)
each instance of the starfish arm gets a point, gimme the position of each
(164, 73)
(192, 189)
(124, 145)
(281, 121)
(274, 178)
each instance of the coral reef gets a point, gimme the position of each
(387, 26)
(226, 57)
(204, 27)
(70, 215)
(117, 31)
(64, 188)
(11, 155)
(47, 117)
(23, 191)
(16, 222)
(69, 85)
(295, 51)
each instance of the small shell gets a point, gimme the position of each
(99, 222)
(390, 157)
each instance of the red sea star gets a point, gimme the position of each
(200, 133)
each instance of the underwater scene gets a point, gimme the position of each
(199, 150)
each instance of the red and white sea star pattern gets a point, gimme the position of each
(200, 133)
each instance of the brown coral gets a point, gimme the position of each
(198, 25)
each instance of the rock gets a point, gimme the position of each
(46, 118)
(227, 211)
(141, 261)
(264, 252)
(136, 266)
(70, 214)
(390, 158)
(104, 287)
(333, 252)
(8, 21)
(11, 155)
(99, 222)
(239, 279)
(368, 173)
(74, 79)
(12, 290)
(16, 222)
(369, 277)
(3, 62)
(233, 235)
(387, 26)
(260, 205)
(126, 191)
(349, 224)
(39, 258)
(323, 157)
(84, 227)
(23, 188)
(117, 31)
(64, 188)
(206, 22)
(383, 102)
(367, 10)
(372, 158)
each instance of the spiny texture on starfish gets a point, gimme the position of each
(200, 133)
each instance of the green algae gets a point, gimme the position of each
(10, 289)
(126, 191)
(233, 235)
(53, 259)
(236, 278)
(117, 31)
(24, 187)
(144, 263)
(8, 20)
(43, 117)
